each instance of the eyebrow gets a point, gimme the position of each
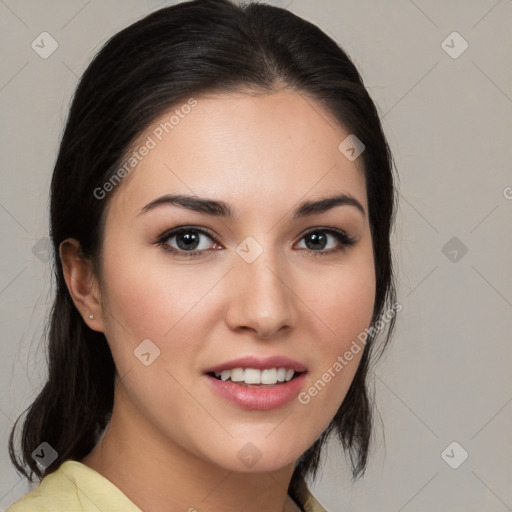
(222, 209)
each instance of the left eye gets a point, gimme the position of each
(317, 240)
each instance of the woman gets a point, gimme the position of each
(221, 209)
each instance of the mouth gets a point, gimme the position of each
(255, 389)
(257, 383)
(254, 377)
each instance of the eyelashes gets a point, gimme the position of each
(344, 241)
(182, 234)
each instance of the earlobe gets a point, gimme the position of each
(82, 283)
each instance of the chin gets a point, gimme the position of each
(256, 457)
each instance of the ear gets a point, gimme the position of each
(82, 283)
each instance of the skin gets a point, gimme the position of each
(169, 433)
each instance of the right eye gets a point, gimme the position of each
(189, 241)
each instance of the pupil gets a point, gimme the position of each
(317, 241)
(191, 240)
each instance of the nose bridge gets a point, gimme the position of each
(261, 299)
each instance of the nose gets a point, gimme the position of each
(261, 298)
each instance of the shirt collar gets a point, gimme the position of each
(301, 494)
(95, 491)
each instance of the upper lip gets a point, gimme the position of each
(259, 363)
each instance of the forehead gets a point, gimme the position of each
(250, 151)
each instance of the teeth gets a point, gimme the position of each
(237, 375)
(255, 376)
(252, 376)
(269, 376)
(289, 375)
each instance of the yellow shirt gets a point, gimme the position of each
(75, 487)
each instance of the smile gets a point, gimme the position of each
(268, 376)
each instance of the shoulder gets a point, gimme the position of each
(74, 487)
(54, 493)
(31, 502)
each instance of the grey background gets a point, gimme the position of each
(446, 376)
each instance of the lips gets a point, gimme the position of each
(259, 395)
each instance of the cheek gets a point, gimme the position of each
(146, 295)
(145, 298)
(350, 309)
(342, 301)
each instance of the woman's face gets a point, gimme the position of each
(271, 283)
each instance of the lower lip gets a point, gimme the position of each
(258, 398)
